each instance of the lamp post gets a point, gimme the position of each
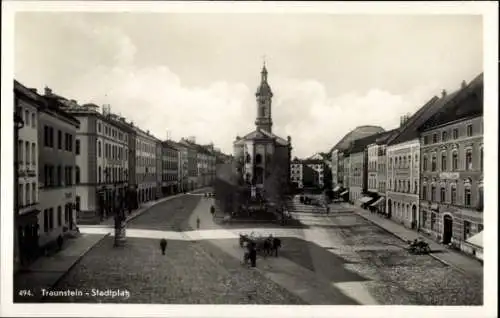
(18, 125)
(119, 213)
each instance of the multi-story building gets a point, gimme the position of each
(303, 174)
(212, 158)
(345, 175)
(170, 167)
(102, 155)
(159, 168)
(334, 159)
(190, 155)
(403, 174)
(372, 167)
(145, 165)
(451, 198)
(296, 173)
(27, 105)
(56, 169)
(183, 164)
(318, 164)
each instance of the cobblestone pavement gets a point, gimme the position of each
(397, 277)
(190, 272)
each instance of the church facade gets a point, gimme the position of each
(264, 158)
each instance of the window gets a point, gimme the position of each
(27, 150)
(99, 148)
(77, 175)
(33, 192)
(46, 142)
(395, 162)
(34, 155)
(443, 161)
(27, 117)
(425, 163)
(426, 140)
(390, 162)
(59, 176)
(27, 196)
(46, 220)
(433, 221)
(51, 218)
(453, 195)
(443, 194)
(77, 147)
(77, 203)
(59, 139)
(415, 189)
(20, 195)
(455, 133)
(433, 163)
(467, 228)
(434, 138)
(433, 193)
(59, 216)
(20, 156)
(444, 136)
(454, 160)
(99, 127)
(51, 137)
(468, 159)
(99, 175)
(33, 120)
(467, 196)
(424, 219)
(469, 130)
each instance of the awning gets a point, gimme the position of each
(379, 200)
(476, 239)
(344, 193)
(365, 199)
(337, 188)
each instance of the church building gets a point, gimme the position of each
(264, 158)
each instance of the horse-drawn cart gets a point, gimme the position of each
(262, 244)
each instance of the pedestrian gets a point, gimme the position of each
(327, 209)
(163, 245)
(212, 210)
(276, 245)
(253, 255)
(198, 222)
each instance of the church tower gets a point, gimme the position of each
(264, 95)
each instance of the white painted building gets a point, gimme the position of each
(145, 168)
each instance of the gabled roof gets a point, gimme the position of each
(260, 133)
(467, 103)
(20, 89)
(409, 129)
(384, 137)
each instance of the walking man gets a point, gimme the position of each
(276, 245)
(163, 245)
(198, 222)
(212, 210)
(253, 255)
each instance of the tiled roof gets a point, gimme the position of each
(359, 145)
(33, 95)
(259, 134)
(468, 102)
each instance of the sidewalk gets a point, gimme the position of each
(46, 271)
(449, 257)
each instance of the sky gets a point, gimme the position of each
(196, 74)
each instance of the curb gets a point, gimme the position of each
(41, 299)
(404, 240)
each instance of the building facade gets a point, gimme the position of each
(145, 166)
(335, 168)
(296, 173)
(26, 232)
(452, 170)
(170, 168)
(56, 169)
(190, 159)
(356, 175)
(372, 168)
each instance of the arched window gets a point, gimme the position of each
(468, 159)
(424, 192)
(433, 193)
(454, 160)
(443, 161)
(467, 193)
(425, 164)
(443, 194)
(99, 175)
(258, 158)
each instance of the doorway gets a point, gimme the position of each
(389, 208)
(447, 229)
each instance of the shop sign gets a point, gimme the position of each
(449, 175)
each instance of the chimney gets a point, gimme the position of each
(443, 93)
(464, 84)
(48, 91)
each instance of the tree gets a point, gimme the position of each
(277, 183)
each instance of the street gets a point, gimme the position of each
(339, 259)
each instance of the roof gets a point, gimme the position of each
(467, 103)
(409, 129)
(170, 143)
(313, 161)
(356, 133)
(20, 89)
(260, 133)
(359, 145)
(384, 137)
(54, 104)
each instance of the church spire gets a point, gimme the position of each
(263, 73)
(264, 96)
